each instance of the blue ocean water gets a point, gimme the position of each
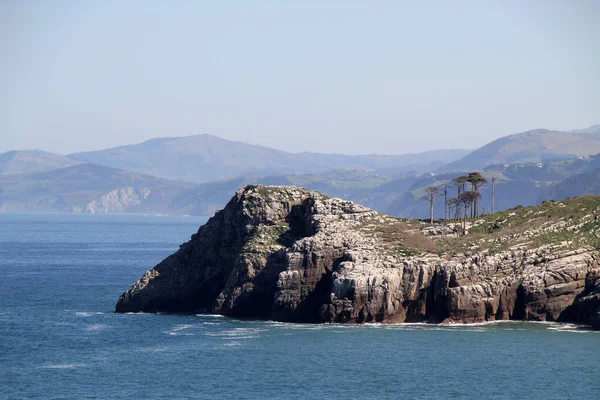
(60, 276)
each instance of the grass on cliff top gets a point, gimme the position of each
(562, 224)
(400, 237)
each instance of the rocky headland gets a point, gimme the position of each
(289, 254)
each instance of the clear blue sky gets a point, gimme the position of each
(327, 76)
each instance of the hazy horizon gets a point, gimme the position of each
(327, 77)
(257, 144)
(239, 141)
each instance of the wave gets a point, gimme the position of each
(237, 333)
(210, 315)
(571, 328)
(63, 366)
(156, 349)
(178, 328)
(232, 343)
(485, 326)
(95, 327)
(88, 313)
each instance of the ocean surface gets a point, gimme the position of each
(61, 275)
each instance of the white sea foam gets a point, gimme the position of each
(157, 349)
(63, 366)
(95, 327)
(182, 327)
(237, 333)
(88, 313)
(240, 337)
(479, 327)
(210, 315)
(307, 327)
(178, 328)
(572, 328)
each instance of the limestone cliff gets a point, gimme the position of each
(117, 200)
(290, 254)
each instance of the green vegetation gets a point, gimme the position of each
(265, 238)
(566, 224)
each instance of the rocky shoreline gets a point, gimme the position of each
(289, 254)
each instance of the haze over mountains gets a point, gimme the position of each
(532, 146)
(89, 188)
(205, 158)
(19, 162)
(195, 175)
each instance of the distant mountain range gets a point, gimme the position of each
(206, 158)
(532, 146)
(23, 162)
(196, 175)
(89, 188)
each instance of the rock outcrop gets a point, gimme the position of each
(290, 254)
(117, 200)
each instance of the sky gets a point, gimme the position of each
(352, 77)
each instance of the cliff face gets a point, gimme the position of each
(117, 200)
(289, 254)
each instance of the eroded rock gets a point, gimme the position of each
(290, 254)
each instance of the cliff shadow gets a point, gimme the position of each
(300, 225)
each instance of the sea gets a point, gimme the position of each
(61, 275)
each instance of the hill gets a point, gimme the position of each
(23, 162)
(89, 188)
(585, 183)
(533, 146)
(205, 158)
(592, 130)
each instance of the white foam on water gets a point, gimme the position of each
(63, 366)
(157, 349)
(210, 315)
(571, 328)
(239, 337)
(237, 333)
(178, 328)
(95, 327)
(306, 327)
(182, 327)
(232, 343)
(88, 313)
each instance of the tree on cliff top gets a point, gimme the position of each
(467, 199)
(454, 208)
(459, 183)
(476, 181)
(431, 193)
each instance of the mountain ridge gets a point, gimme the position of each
(20, 162)
(204, 158)
(535, 145)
